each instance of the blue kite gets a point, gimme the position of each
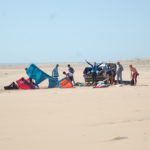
(38, 75)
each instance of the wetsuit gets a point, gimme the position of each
(94, 70)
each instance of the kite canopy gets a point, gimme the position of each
(25, 84)
(65, 83)
(38, 75)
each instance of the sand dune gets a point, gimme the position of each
(81, 118)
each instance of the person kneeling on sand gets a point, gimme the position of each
(69, 75)
(134, 74)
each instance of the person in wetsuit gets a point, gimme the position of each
(94, 70)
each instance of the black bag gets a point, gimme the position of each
(132, 82)
(11, 86)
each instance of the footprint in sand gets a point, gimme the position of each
(119, 138)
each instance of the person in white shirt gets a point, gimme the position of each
(69, 75)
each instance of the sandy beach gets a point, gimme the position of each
(80, 118)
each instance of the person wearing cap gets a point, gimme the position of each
(55, 73)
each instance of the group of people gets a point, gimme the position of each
(133, 70)
(69, 74)
(110, 72)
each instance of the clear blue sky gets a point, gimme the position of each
(34, 31)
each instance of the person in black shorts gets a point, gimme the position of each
(109, 75)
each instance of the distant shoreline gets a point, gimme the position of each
(51, 63)
(137, 60)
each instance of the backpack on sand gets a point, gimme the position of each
(132, 82)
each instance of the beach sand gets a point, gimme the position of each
(80, 118)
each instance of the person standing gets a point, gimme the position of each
(110, 75)
(119, 73)
(55, 73)
(134, 74)
(71, 72)
(94, 71)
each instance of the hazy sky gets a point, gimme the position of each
(33, 31)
